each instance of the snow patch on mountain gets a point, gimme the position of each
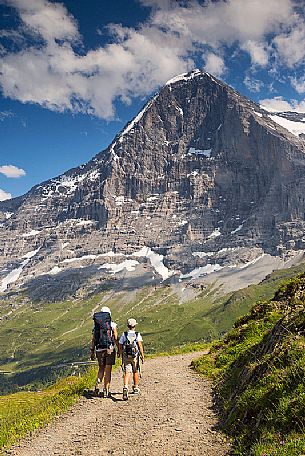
(31, 233)
(111, 254)
(184, 77)
(202, 271)
(66, 184)
(129, 265)
(203, 254)
(54, 271)
(156, 260)
(14, 275)
(296, 128)
(205, 152)
(255, 260)
(130, 127)
(82, 258)
(237, 229)
(215, 233)
(211, 254)
(85, 222)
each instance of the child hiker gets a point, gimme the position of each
(131, 349)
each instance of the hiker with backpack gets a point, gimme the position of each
(103, 343)
(131, 349)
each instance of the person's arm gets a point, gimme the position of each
(92, 349)
(116, 340)
(140, 344)
(120, 345)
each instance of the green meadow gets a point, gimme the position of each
(37, 338)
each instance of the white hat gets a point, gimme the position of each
(131, 322)
(106, 309)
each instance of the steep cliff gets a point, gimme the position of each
(200, 181)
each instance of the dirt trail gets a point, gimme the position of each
(172, 416)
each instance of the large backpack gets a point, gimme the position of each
(130, 346)
(103, 334)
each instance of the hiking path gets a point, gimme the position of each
(173, 415)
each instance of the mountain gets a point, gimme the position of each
(202, 184)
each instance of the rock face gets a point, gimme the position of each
(202, 176)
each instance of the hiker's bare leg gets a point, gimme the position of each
(136, 379)
(100, 375)
(127, 378)
(107, 378)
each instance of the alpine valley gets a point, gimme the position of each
(201, 195)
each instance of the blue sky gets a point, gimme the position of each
(72, 73)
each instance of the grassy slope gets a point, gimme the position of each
(39, 335)
(259, 370)
(23, 412)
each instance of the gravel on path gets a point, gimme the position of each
(173, 415)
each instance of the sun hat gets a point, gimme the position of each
(106, 309)
(131, 322)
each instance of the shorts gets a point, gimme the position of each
(105, 359)
(130, 365)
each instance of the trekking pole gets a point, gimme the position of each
(74, 364)
(139, 367)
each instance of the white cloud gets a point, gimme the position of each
(11, 171)
(214, 64)
(4, 195)
(56, 77)
(280, 104)
(290, 45)
(49, 20)
(162, 4)
(54, 74)
(259, 52)
(226, 21)
(298, 84)
(254, 85)
(5, 115)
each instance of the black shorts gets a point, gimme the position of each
(105, 359)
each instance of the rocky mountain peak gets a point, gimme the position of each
(200, 181)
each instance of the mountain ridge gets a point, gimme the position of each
(199, 170)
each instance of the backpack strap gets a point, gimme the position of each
(137, 342)
(138, 354)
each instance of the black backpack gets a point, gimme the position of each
(103, 334)
(130, 346)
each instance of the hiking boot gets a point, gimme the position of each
(96, 391)
(136, 390)
(106, 393)
(125, 394)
